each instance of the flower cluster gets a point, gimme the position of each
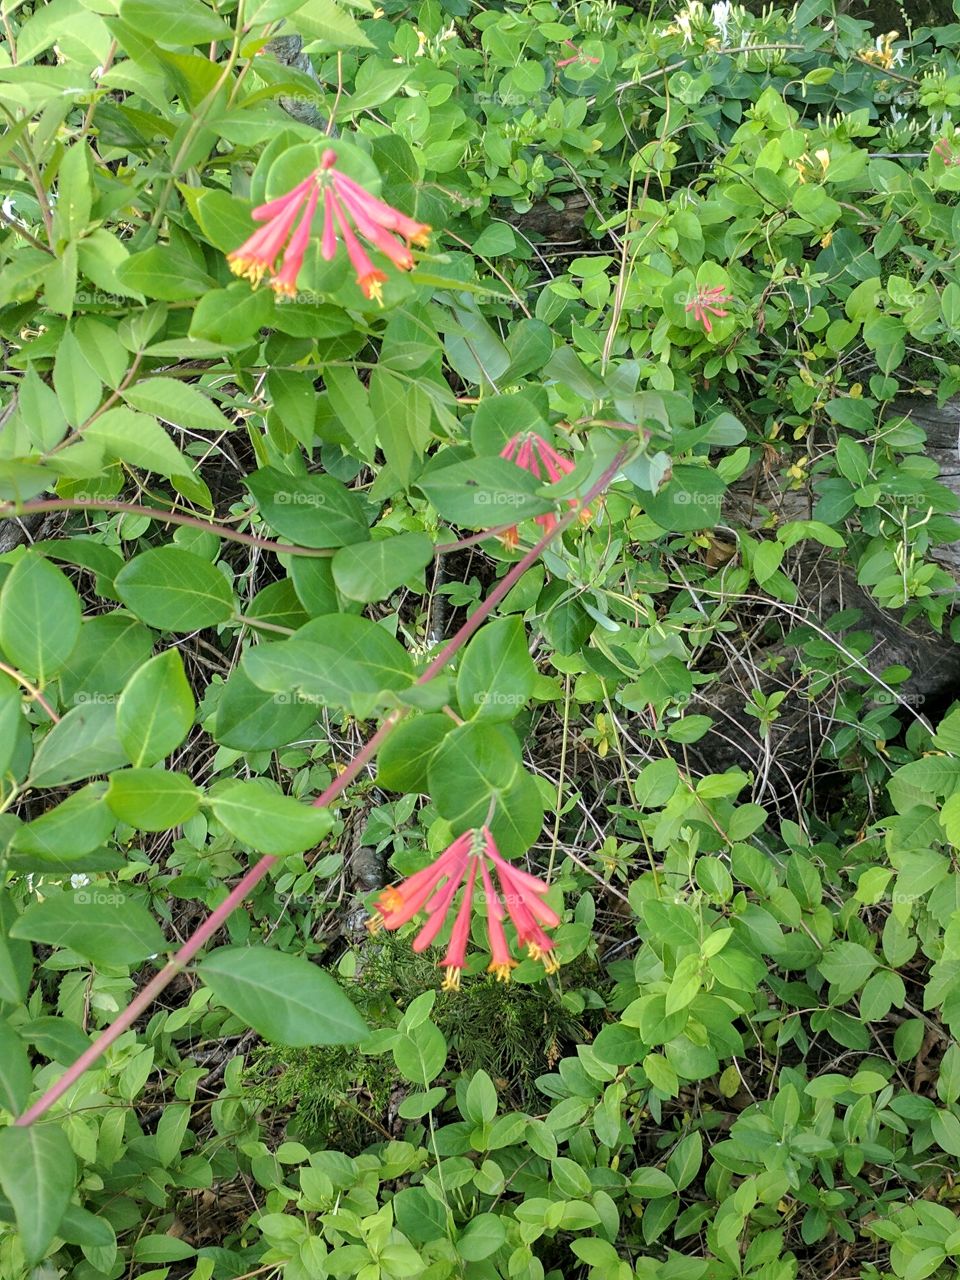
(707, 303)
(348, 209)
(530, 451)
(883, 53)
(945, 149)
(518, 896)
(578, 56)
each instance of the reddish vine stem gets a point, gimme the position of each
(164, 516)
(9, 509)
(145, 997)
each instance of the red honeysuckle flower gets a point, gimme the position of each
(518, 898)
(578, 56)
(369, 278)
(944, 149)
(256, 256)
(708, 300)
(344, 202)
(285, 281)
(456, 956)
(531, 452)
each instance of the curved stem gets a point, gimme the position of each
(8, 509)
(32, 689)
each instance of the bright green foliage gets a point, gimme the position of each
(259, 520)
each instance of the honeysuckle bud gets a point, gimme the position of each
(531, 452)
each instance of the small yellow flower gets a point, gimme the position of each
(796, 472)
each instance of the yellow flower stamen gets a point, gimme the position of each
(546, 958)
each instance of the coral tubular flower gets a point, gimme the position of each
(456, 956)
(509, 892)
(578, 56)
(707, 303)
(256, 256)
(369, 278)
(285, 281)
(944, 149)
(378, 211)
(501, 961)
(348, 210)
(531, 452)
(400, 903)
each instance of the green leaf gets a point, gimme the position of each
(312, 511)
(175, 590)
(78, 825)
(267, 821)
(16, 958)
(419, 1215)
(110, 649)
(945, 1128)
(333, 660)
(662, 1076)
(39, 617)
(480, 1101)
(176, 22)
(518, 817)
(37, 1173)
(74, 192)
(692, 499)
(176, 402)
(82, 745)
(15, 1074)
(11, 720)
(251, 719)
(477, 764)
(482, 1236)
(156, 709)
(283, 997)
(156, 273)
(104, 925)
(484, 492)
(847, 965)
(324, 20)
(78, 1226)
(496, 675)
(232, 317)
(420, 1053)
(369, 571)
(139, 441)
(152, 799)
(404, 758)
(685, 1160)
(78, 388)
(40, 410)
